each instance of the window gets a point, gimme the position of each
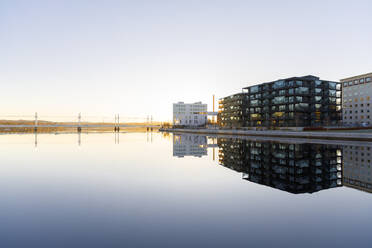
(279, 84)
(254, 102)
(368, 79)
(345, 84)
(301, 106)
(302, 90)
(361, 80)
(332, 92)
(350, 83)
(254, 89)
(279, 99)
(332, 85)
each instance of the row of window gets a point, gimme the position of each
(356, 105)
(356, 117)
(358, 81)
(356, 111)
(357, 99)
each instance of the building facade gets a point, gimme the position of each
(291, 102)
(193, 114)
(230, 112)
(356, 100)
(296, 168)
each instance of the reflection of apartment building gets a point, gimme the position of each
(193, 114)
(291, 102)
(189, 145)
(295, 168)
(356, 100)
(357, 171)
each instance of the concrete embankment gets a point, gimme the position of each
(285, 134)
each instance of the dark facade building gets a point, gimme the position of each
(292, 102)
(295, 168)
(231, 110)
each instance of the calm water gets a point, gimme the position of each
(182, 191)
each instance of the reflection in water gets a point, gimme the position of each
(189, 145)
(295, 167)
(357, 167)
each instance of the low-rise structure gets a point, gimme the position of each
(356, 100)
(190, 114)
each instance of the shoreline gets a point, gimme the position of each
(280, 134)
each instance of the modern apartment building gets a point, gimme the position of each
(357, 167)
(356, 100)
(291, 102)
(231, 111)
(295, 168)
(190, 114)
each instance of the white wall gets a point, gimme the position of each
(185, 114)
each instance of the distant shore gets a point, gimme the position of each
(21, 126)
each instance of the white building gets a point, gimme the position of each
(185, 114)
(356, 100)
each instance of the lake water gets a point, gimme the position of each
(155, 190)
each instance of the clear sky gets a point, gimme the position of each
(138, 57)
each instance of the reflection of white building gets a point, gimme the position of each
(189, 145)
(185, 114)
(357, 171)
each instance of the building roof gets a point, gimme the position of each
(356, 77)
(236, 94)
(308, 77)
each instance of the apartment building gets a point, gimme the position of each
(291, 102)
(190, 114)
(230, 112)
(356, 100)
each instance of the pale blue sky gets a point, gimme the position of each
(138, 57)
